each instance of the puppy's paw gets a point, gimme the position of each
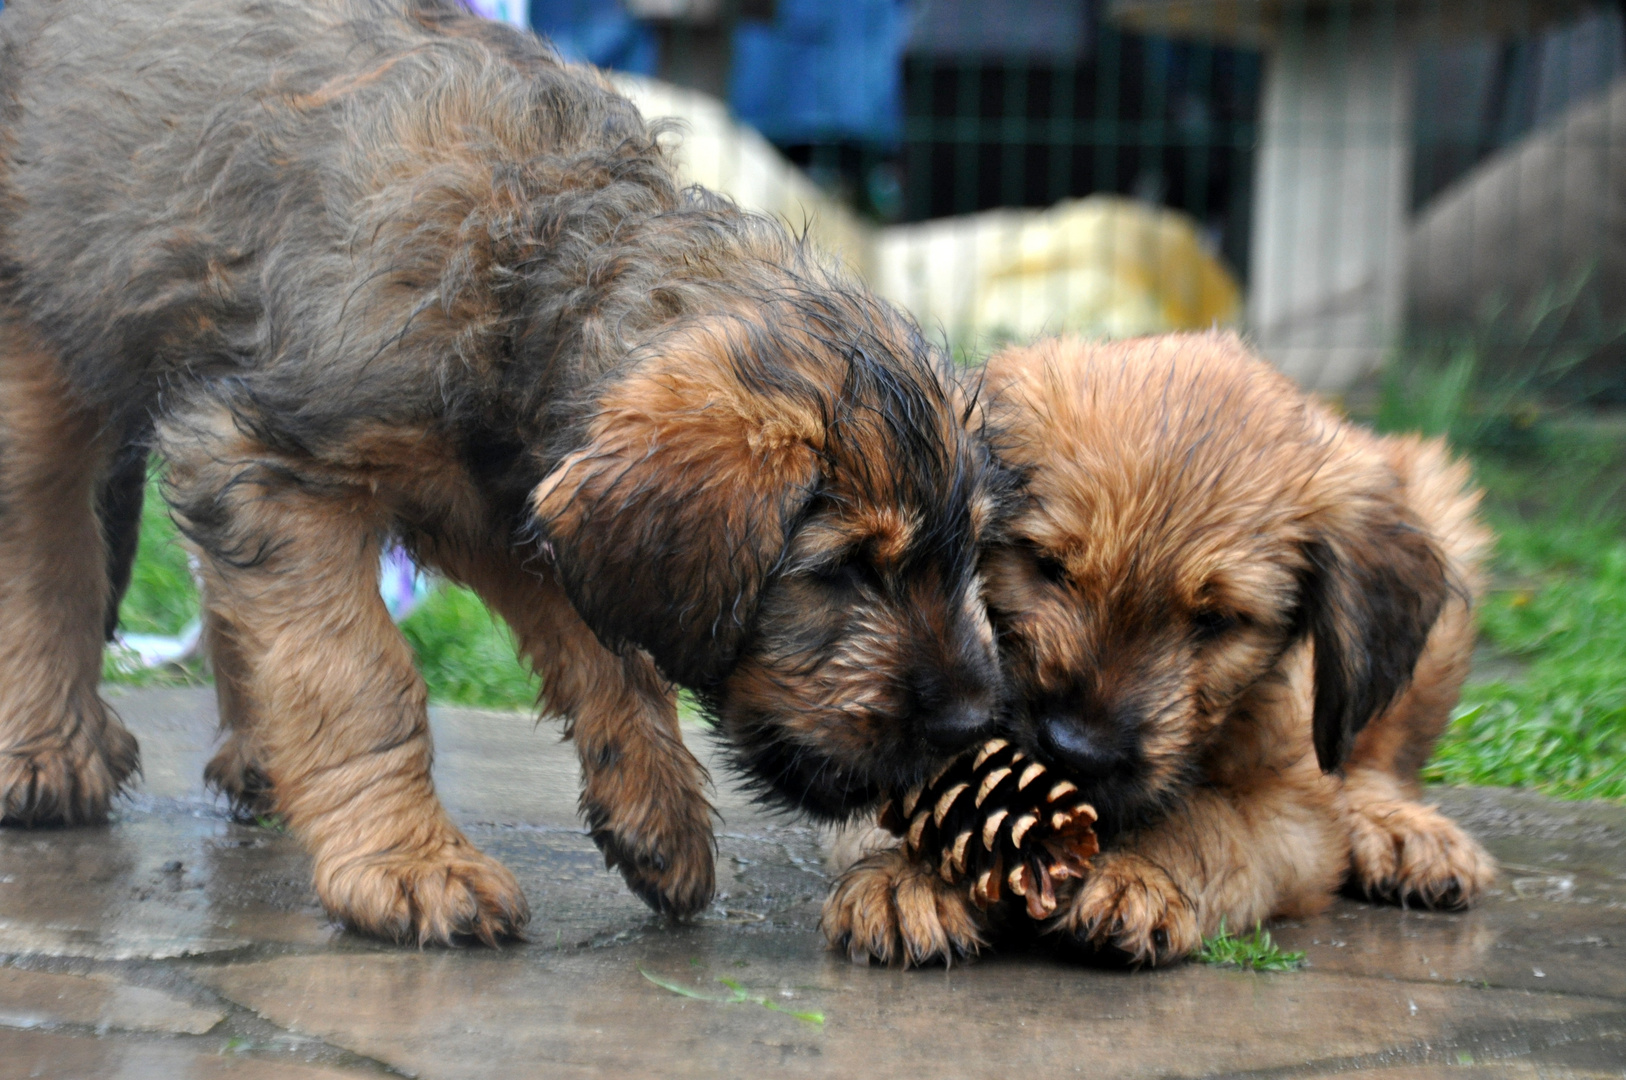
(71, 780)
(1127, 904)
(1409, 853)
(667, 856)
(897, 911)
(235, 773)
(448, 893)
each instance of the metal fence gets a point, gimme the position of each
(1346, 180)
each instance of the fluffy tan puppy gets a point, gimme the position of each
(1238, 622)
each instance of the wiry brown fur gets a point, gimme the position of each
(62, 751)
(366, 270)
(1214, 584)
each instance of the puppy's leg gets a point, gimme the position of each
(63, 754)
(643, 793)
(340, 723)
(235, 770)
(1264, 837)
(1402, 850)
(1232, 856)
(1407, 852)
(895, 910)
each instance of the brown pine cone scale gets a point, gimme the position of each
(1000, 820)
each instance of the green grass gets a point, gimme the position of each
(162, 597)
(1250, 952)
(1548, 709)
(1559, 613)
(737, 995)
(465, 653)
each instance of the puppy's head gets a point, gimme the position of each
(1188, 517)
(783, 508)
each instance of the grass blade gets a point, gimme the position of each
(737, 995)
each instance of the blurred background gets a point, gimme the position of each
(1416, 208)
(1337, 177)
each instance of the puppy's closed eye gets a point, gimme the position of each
(1209, 624)
(851, 575)
(1051, 568)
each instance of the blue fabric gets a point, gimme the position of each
(596, 32)
(823, 71)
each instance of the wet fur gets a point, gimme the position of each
(364, 271)
(1259, 617)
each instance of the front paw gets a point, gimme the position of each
(894, 910)
(1409, 853)
(1129, 905)
(71, 780)
(447, 892)
(667, 857)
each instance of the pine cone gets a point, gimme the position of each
(1001, 821)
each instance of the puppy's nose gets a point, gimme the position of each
(958, 725)
(1084, 751)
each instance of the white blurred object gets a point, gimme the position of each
(692, 10)
(716, 151)
(140, 651)
(1330, 191)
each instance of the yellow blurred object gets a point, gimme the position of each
(1102, 266)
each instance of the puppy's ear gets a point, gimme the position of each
(665, 524)
(1371, 593)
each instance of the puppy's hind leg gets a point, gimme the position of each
(236, 770)
(63, 754)
(340, 722)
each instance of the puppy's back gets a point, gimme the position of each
(168, 171)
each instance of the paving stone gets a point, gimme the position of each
(592, 1013)
(41, 999)
(1555, 922)
(1554, 1054)
(76, 1057)
(154, 886)
(1507, 1069)
(1529, 983)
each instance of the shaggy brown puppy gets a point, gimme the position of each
(362, 270)
(1239, 623)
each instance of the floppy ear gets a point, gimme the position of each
(1371, 593)
(666, 523)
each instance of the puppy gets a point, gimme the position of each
(1238, 622)
(362, 270)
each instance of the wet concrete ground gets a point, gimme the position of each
(178, 944)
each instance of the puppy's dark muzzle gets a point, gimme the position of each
(1087, 752)
(958, 726)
